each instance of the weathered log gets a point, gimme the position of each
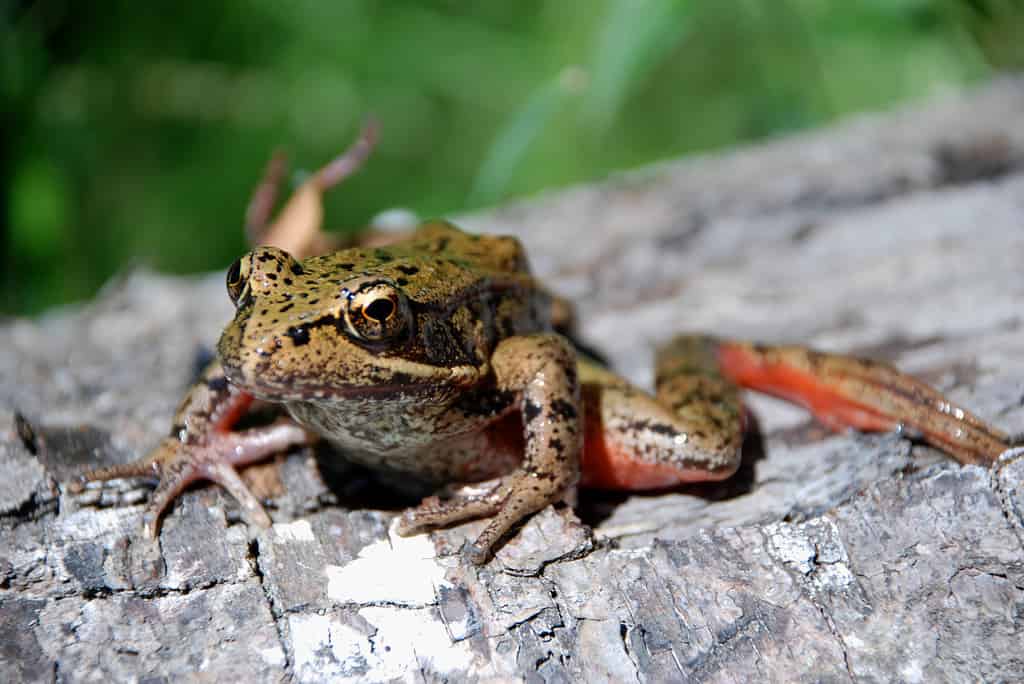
(828, 557)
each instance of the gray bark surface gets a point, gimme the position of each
(828, 557)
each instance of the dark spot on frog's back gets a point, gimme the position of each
(409, 270)
(298, 334)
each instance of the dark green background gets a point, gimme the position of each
(134, 131)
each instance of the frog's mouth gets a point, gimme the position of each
(314, 393)
(400, 380)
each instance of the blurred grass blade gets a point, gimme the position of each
(513, 141)
(997, 27)
(634, 38)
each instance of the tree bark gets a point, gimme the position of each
(827, 558)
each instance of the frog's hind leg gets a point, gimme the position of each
(691, 431)
(843, 391)
(298, 228)
(260, 209)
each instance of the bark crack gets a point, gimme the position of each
(808, 591)
(1007, 503)
(280, 625)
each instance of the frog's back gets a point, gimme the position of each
(436, 263)
(486, 254)
(482, 281)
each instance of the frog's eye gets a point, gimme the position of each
(377, 312)
(237, 279)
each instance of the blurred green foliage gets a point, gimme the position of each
(136, 131)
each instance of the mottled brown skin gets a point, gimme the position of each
(436, 356)
(397, 354)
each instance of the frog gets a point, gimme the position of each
(437, 355)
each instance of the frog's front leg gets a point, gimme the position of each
(202, 446)
(541, 371)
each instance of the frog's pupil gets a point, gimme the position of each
(380, 309)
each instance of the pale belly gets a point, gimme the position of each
(434, 441)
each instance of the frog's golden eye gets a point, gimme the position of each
(237, 279)
(377, 312)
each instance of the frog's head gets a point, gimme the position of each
(332, 327)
